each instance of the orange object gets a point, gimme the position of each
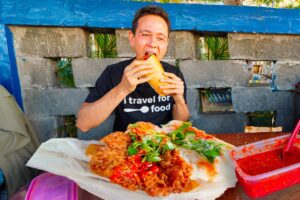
(92, 149)
(156, 75)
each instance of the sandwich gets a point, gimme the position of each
(156, 75)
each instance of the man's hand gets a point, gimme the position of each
(174, 87)
(134, 74)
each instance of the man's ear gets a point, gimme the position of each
(131, 38)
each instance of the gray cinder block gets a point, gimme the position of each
(259, 99)
(44, 126)
(193, 101)
(87, 70)
(55, 101)
(36, 72)
(123, 45)
(220, 122)
(287, 75)
(50, 42)
(204, 74)
(264, 47)
(186, 45)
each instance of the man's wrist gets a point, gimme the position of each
(179, 101)
(121, 91)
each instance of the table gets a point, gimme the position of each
(236, 193)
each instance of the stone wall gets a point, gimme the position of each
(38, 49)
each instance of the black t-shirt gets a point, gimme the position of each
(143, 104)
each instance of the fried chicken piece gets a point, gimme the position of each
(105, 160)
(177, 170)
(141, 128)
(155, 184)
(125, 176)
(111, 155)
(117, 140)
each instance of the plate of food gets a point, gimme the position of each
(174, 161)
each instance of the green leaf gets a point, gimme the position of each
(133, 136)
(136, 144)
(64, 72)
(154, 159)
(179, 142)
(211, 154)
(169, 146)
(184, 126)
(217, 48)
(187, 145)
(147, 138)
(133, 125)
(132, 151)
(158, 138)
(191, 133)
(146, 147)
(106, 45)
(178, 133)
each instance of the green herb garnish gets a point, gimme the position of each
(186, 139)
(151, 145)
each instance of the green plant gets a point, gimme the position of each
(68, 127)
(66, 79)
(177, 62)
(216, 48)
(64, 72)
(261, 118)
(106, 46)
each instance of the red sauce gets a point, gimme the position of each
(209, 167)
(133, 168)
(199, 133)
(267, 161)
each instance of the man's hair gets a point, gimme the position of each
(150, 10)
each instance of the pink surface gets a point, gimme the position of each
(49, 187)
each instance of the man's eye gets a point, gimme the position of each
(145, 34)
(161, 39)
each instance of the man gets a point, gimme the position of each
(123, 87)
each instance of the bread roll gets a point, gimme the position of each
(156, 75)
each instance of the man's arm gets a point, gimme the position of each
(175, 88)
(181, 111)
(91, 115)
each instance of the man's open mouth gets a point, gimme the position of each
(148, 54)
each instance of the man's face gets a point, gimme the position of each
(151, 36)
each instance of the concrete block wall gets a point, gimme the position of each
(38, 49)
(284, 51)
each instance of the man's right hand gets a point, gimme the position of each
(134, 74)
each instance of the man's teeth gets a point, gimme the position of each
(150, 53)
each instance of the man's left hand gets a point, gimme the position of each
(174, 87)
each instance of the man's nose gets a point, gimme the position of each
(152, 42)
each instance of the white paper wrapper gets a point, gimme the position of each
(66, 157)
